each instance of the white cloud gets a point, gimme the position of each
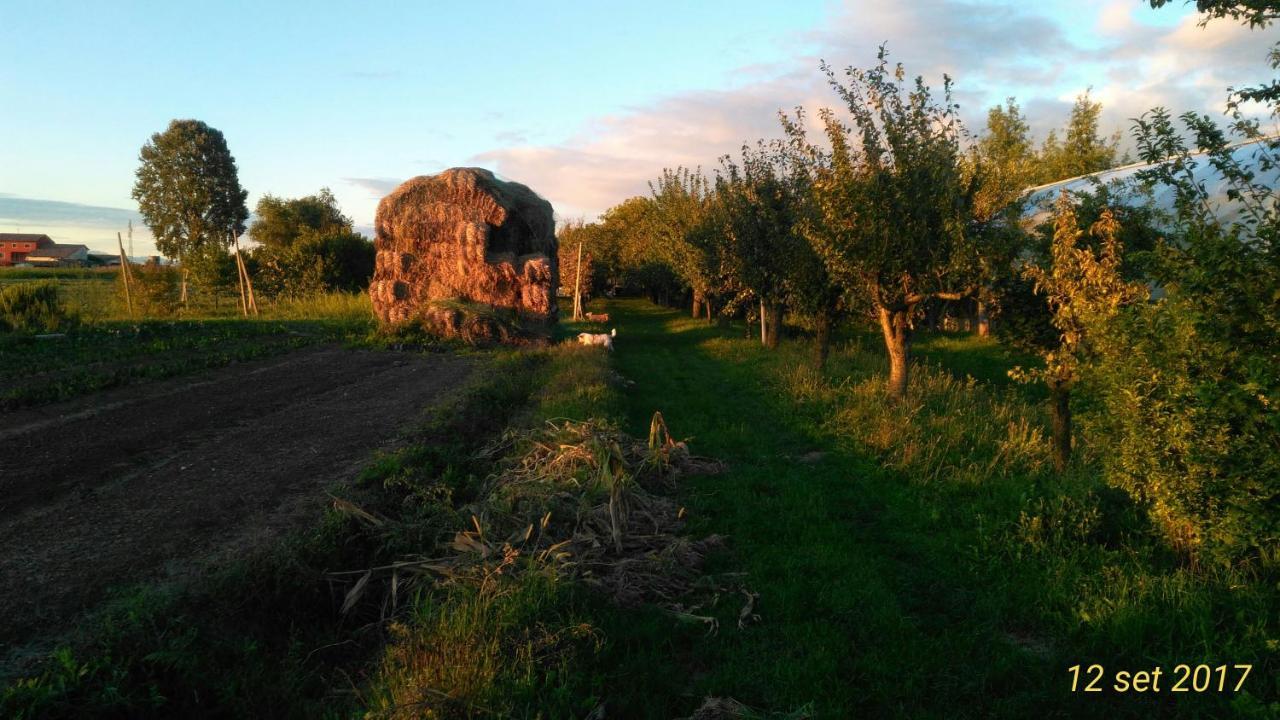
(377, 187)
(991, 50)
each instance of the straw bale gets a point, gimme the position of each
(466, 237)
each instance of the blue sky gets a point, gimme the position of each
(584, 101)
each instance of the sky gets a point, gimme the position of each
(584, 101)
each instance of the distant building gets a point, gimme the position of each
(39, 249)
(104, 259)
(15, 247)
(59, 255)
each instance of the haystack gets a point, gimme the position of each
(465, 254)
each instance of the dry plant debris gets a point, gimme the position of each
(580, 498)
(714, 708)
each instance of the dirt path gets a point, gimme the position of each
(149, 481)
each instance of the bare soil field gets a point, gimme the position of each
(154, 481)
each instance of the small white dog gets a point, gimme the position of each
(599, 339)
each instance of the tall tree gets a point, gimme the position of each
(761, 228)
(280, 222)
(625, 237)
(1007, 158)
(1081, 149)
(811, 288)
(682, 206)
(1083, 291)
(188, 190)
(898, 201)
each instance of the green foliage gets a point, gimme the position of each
(307, 246)
(188, 190)
(682, 228)
(1189, 385)
(931, 535)
(1007, 160)
(897, 192)
(1083, 290)
(56, 273)
(33, 307)
(1081, 150)
(213, 270)
(761, 220)
(640, 263)
(1256, 13)
(898, 201)
(571, 236)
(1187, 424)
(106, 354)
(155, 290)
(281, 222)
(811, 288)
(314, 263)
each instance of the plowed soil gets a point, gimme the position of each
(154, 481)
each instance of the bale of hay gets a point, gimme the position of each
(464, 237)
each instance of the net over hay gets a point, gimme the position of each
(463, 252)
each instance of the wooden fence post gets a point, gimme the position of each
(124, 273)
(577, 286)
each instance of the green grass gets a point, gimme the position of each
(109, 353)
(928, 564)
(262, 637)
(96, 295)
(15, 274)
(912, 560)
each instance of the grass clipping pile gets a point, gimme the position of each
(466, 255)
(580, 498)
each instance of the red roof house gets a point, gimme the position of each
(14, 247)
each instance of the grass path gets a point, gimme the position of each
(886, 593)
(862, 607)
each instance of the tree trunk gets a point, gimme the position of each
(984, 323)
(822, 340)
(896, 326)
(1060, 409)
(774, 334)
(706, 305)
(764, 324)
(697, 304)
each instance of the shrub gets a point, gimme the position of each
(315, 263)
(1189, 385)
(155, 290)
(1188, 425)
(33, 308)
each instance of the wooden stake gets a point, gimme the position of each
(577, 286)
(124, 273)
(248, 282)
(244, 300)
